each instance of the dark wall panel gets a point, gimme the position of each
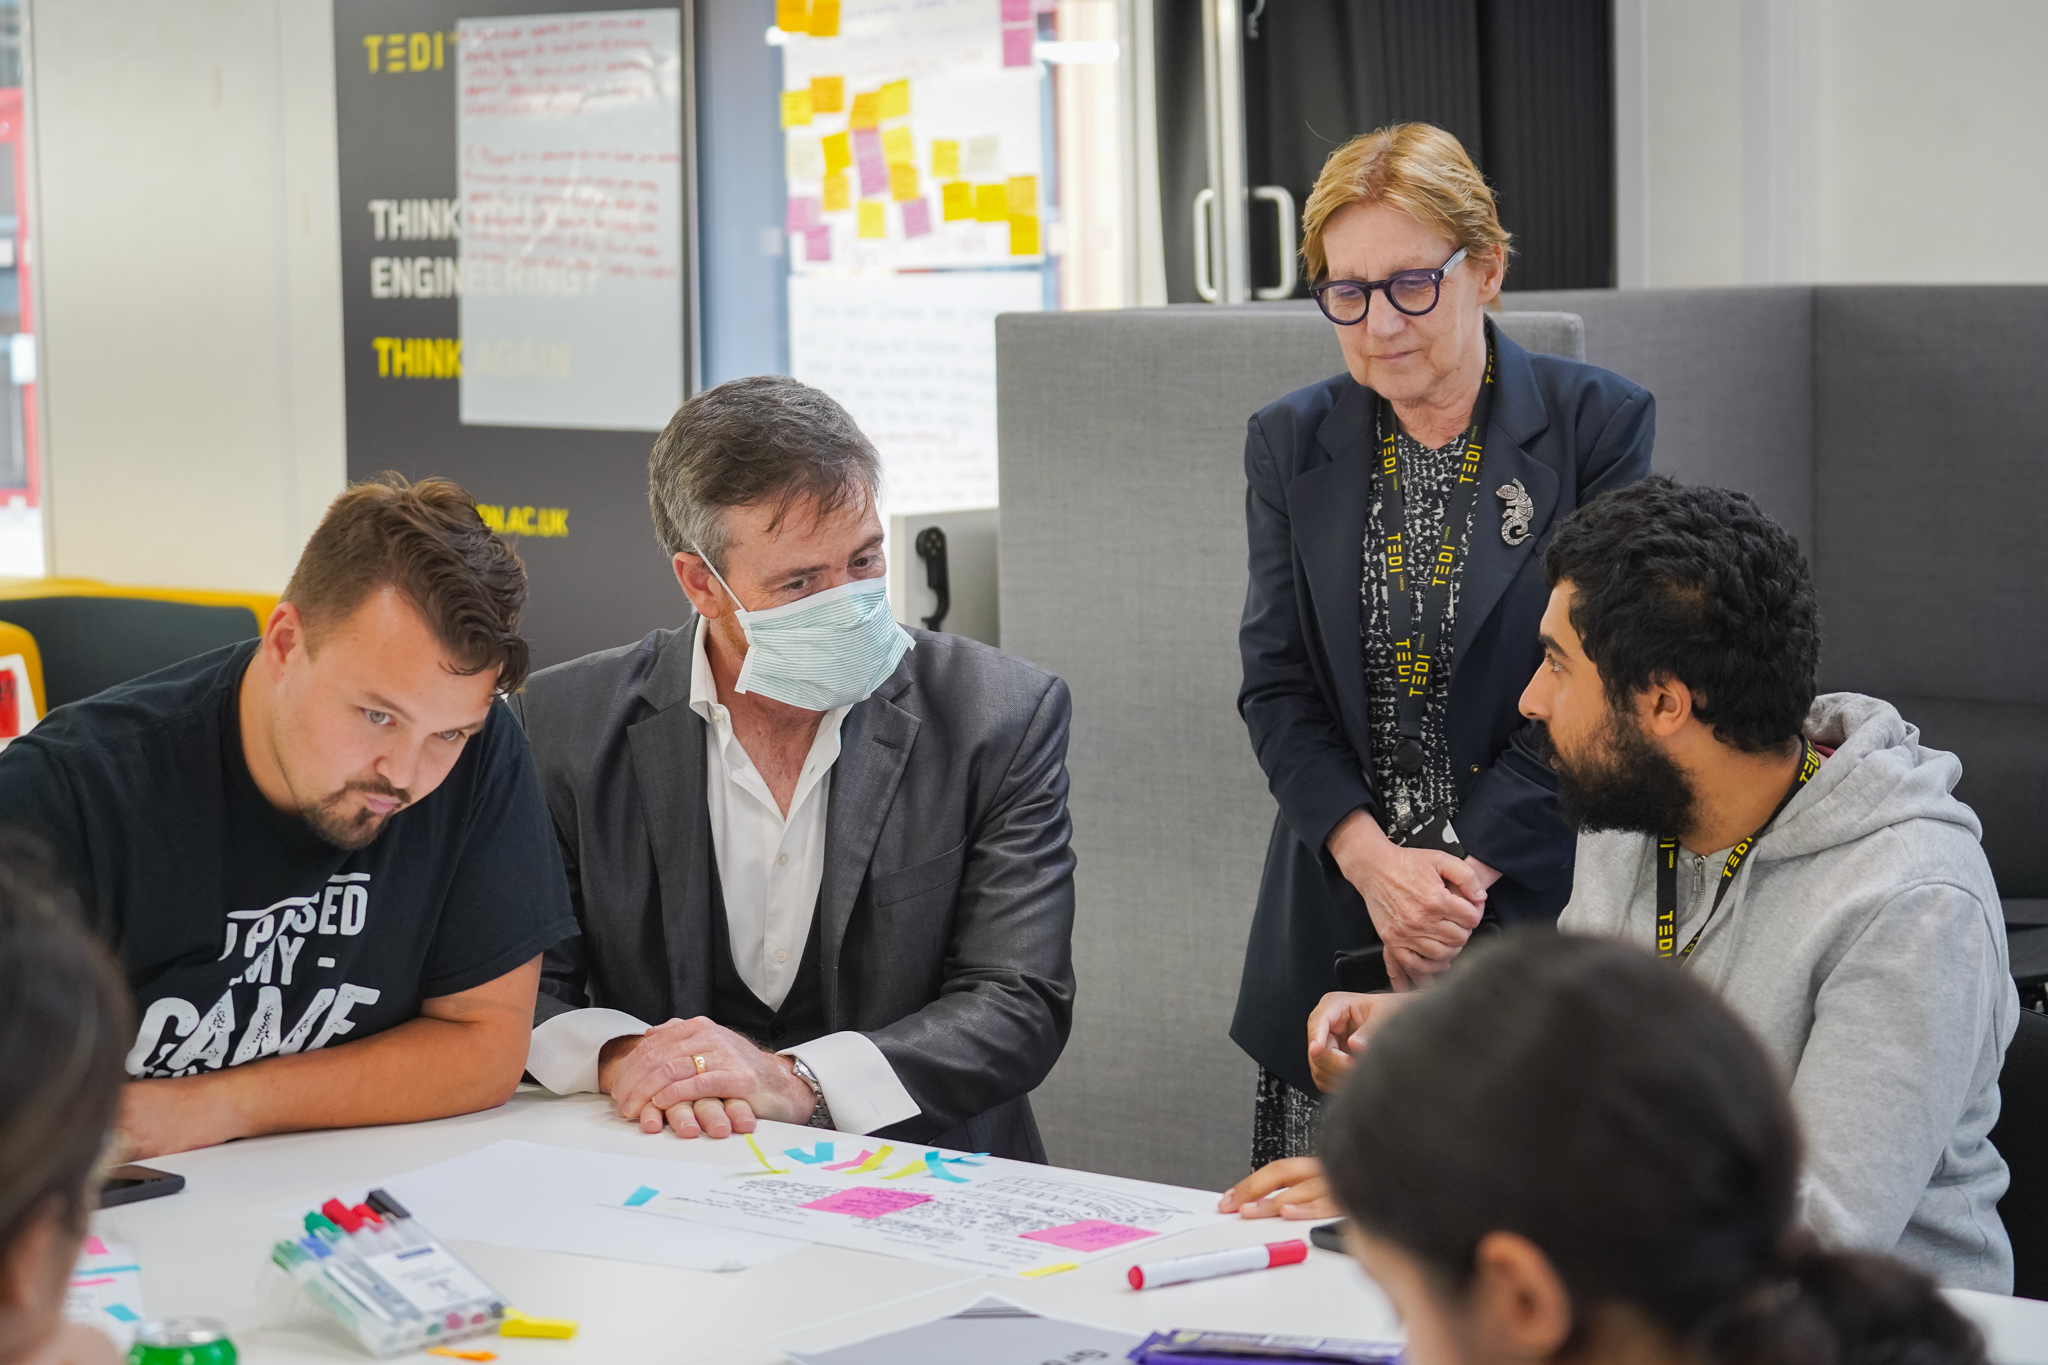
(603, 583)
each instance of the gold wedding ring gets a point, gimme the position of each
(698, 1058)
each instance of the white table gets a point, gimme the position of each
(205, 1252)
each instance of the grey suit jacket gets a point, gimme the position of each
(947, 908)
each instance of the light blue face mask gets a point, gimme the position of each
(833, 648)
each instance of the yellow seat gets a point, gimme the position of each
(260, 604)
(93, 635)
(15, 640)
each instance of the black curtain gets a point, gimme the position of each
(1526, 85)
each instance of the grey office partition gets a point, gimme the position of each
(1123, 571)
(1733, 373)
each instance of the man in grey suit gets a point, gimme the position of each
(821, 863)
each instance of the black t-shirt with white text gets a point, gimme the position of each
(242, 933)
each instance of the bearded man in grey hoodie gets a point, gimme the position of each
(1802, 854)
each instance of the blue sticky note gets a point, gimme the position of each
(815, 1157)
(121, 1312)
(641, 1196)
(966, 1160)
(937, 1166)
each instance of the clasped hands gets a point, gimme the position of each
(699, 1077)
(1424, 904)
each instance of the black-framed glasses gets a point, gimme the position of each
(1413, 292)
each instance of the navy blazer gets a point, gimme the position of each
(1569, 432)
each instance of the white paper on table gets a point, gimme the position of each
(106, 1291)
(990, 1331)
(569, 134)
(994, 1216)
(913, 359)
(529, 1194)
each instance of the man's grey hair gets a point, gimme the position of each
(763, 438)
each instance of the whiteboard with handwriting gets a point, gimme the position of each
(913, 358)
(569, 147)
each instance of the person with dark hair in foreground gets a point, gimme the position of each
(64, 1025)
(1568, 1150)
(329, 835)
(1802, 855)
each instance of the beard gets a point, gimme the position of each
(1633, 786)
(348, 830)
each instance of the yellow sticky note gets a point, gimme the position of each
(838, 195)
(903, 182)
(991, 204)
(1023, 235)
(945, 159)
(762, 1157)
(914, 1168)
(518, 1324)
(802, 158)
(828, 94)
(1045, 1270)
(872, 224)
(956, 200)
(793, 16)
(1023, 196)
(898, 147)
(824, 18)
(838, 153)
(796, 107)
(867, 111)
(896, 99)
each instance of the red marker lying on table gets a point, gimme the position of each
(1212, 1264)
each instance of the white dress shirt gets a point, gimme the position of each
(769, 869)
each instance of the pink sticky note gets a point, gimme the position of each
(801, 214)
(869, 1202)
(1045, 6)
(874, 178)
(867, 144)
(849, 1165)
(1090, 1234)
(1016, 11)
(95, 1246)
(818, 243)
(1017, 45)
(917, 218)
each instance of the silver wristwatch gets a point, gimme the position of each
(821, 1113)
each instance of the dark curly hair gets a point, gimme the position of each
(1695, 584)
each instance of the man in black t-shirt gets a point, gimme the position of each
(320, 857)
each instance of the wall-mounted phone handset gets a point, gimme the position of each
(931, 548)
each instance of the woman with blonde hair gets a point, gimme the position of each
(1395, 513)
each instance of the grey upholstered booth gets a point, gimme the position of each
(1897, 431)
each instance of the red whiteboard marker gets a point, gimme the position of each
(1215, 1263)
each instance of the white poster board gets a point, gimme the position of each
(949, 169)
(913, 358)
(569, 138)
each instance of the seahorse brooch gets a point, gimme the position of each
(1514, 518)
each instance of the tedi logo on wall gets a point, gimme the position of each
(261, 957)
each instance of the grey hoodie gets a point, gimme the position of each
(1864, 942)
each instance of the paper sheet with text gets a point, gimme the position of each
(569, 129)
(949, 1208)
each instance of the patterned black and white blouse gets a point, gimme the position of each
(1428, 476)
